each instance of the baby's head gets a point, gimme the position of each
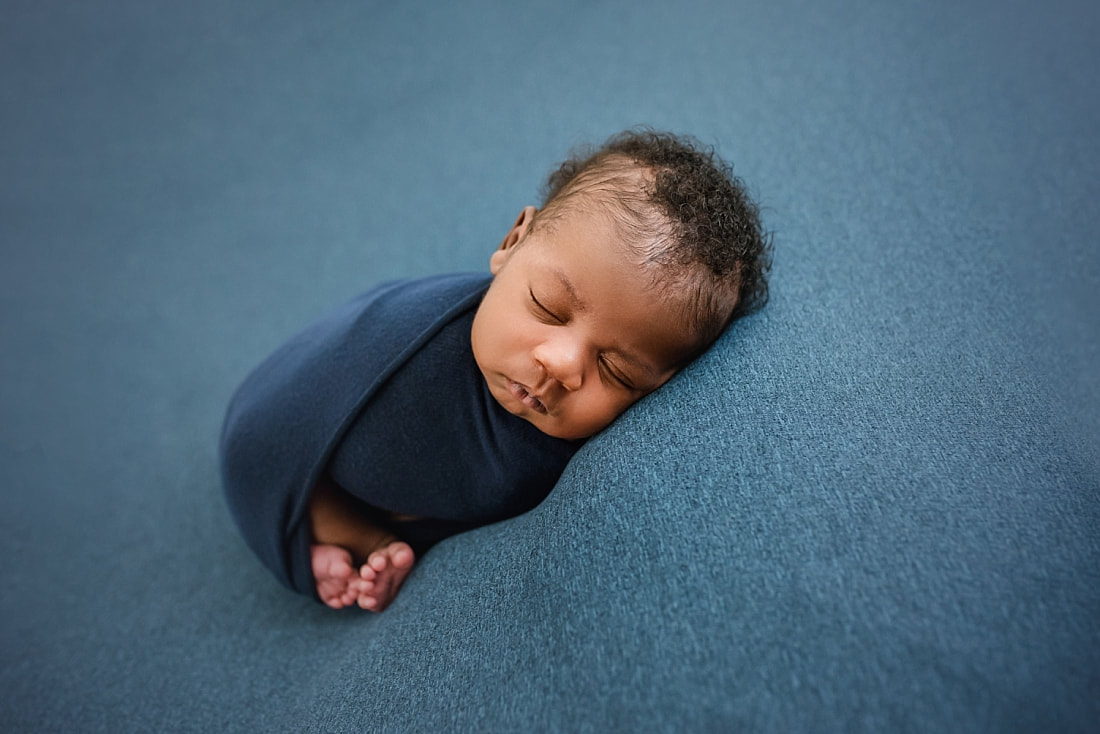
(642, 253)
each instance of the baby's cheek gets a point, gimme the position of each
(603, 412)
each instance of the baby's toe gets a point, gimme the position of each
(402, 556)
(378, 561)
(331, 598)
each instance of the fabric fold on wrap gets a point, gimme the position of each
(290, 413)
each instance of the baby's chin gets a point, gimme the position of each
(555, 428)
(541, 421)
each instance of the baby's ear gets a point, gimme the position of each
(515, 236)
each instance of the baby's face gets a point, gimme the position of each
(569, 335)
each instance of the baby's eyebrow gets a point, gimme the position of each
(574, 299)
(637, 363)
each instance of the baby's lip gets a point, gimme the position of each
(524, 394)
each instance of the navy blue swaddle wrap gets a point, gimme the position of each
(383, 395)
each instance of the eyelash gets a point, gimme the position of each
(606, 367)
(550, 315)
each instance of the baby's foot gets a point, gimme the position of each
(382, 575)
(337, 582)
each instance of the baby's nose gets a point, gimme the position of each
(564, 362)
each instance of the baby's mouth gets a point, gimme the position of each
(523, 395)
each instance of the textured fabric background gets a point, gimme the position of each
(872, 507)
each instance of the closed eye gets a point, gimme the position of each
(543, 312)
(608, 369)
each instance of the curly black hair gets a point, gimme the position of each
(682, 209)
